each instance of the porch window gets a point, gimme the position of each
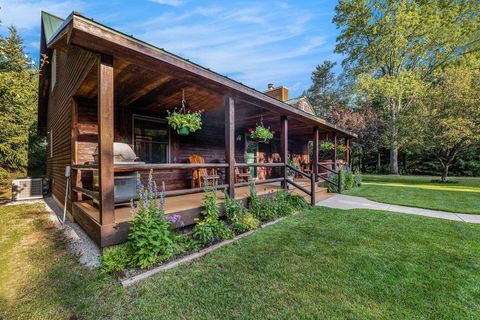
(151, 139)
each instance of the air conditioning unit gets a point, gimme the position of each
(26, 189)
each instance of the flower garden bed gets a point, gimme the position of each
(154, 245)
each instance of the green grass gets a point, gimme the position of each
(321, 263)
(462, 196)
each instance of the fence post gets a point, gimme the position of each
(339, 186)
(312, 189)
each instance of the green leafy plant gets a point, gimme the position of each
(254, 203)
(186, 119)
(348, 182)
(116, 258)
(238, 217)
(211, 228)
(151, 235)
(341, 148)
(291, 172)
(261, 133)
(327, 146)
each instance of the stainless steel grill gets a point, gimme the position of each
(125, 187)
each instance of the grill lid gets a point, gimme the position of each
(122, 153)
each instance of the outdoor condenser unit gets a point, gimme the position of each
(26, 189)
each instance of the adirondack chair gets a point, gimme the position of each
(199, 175)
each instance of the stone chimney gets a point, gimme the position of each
(280, 93)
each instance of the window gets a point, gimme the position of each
(151, 139)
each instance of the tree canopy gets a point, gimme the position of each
(18, 105)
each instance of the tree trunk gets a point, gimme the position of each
(445, 172)
(379, 162)
(394, 160)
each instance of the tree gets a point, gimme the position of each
(397, 40)
(363, 121)
(452, 113)
(322, 93)
(18, 105)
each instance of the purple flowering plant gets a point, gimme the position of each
(151, 234)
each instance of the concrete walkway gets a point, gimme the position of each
(341, 201)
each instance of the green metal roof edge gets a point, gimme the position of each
(51, 23)
(77, 14)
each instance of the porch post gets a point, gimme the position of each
(105, 140)
(230, 144)
(314, 172)
(334, 151)
(348, 151)
(284, 148)
(315, 152)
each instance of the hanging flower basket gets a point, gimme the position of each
(261, 133)
(184, 121)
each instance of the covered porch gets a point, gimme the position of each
(125, 98)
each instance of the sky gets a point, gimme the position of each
(254, 42)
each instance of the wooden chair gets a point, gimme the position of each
(242, 175)
(202, 174)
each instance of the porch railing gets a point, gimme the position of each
(314, 178)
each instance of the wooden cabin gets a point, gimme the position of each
(100, 88)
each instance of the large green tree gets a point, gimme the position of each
(388, 42)
(18, 105)
(452, 112)
(323, 94)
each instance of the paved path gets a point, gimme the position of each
(341, 201)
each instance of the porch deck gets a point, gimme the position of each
(187, 206)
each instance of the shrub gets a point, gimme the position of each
(151, 235)
(4, 178)
(254, 203)
(210, 228)
(117, 258)
(238, 217)
(348, 181)
(279, 204)
(186, 244)
(357, 181)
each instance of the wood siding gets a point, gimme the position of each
(72, 67)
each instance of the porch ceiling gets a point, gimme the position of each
(151, 78)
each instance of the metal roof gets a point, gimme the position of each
(50, 24)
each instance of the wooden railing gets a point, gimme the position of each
(325, 176)
(190, 166)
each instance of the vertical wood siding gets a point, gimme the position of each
(72, 67)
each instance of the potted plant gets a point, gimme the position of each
(290, 172)
(261, 133)
(185, 121)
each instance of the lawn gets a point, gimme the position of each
(320, 263)
(461, 195)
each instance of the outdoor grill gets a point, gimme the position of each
(125, 187)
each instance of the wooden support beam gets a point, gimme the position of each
(348, 151)
(105, 140)
(316, 138)
(284, 148)
(75, 175)
(313, 180)
(230, 144)
(334, 151)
